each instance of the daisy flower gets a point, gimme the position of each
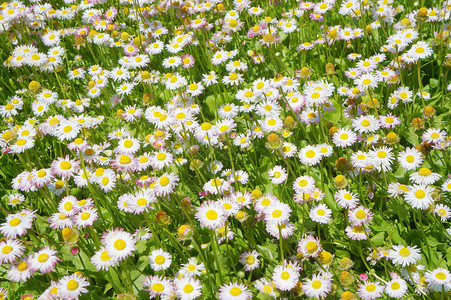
(439, 280)
(404, 255)
(44, 260)
(188, 288)
(382, 158)
(365, 124)
(86, 217)
(102, 260)
(443, 211)
(346, 199)
(16, 225)
(211, 214)
(285, 277)
(410, 159)
(357, 232)
(370, 290)
(158, 286)
(310, 155)
(10, 250)
(309, 246)
(317, 287)
(250, 260)
(344, 138)
(434, 135)
(160, 260)
(72, 286)
(396, 288)
(304, 184)
(266, 287)
(359, 216)
(320, 214)
(419, 196)
(420, 50)
(119, 243)
(166, 184)
(234, 291)
(193, 267)
(277, 212)
(65, 167)
(277, 175)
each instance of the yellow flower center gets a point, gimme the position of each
(424, 172)
(65, 165)
(404, 252)
(159, 259)
(7, 249)
(420, 194)
(285, 275)
(276, 213)
(42, 258)
(310, 153)
(188, 288)
(125, 160)
(370, 288)
(120, 244)
(316, 284)
(157, 287)
(14, 222)
(211, 215)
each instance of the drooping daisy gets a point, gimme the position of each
(424, 176)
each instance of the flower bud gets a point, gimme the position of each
(428, 112)
(34, 86)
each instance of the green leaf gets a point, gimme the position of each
(433, 83)
(379, 239)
